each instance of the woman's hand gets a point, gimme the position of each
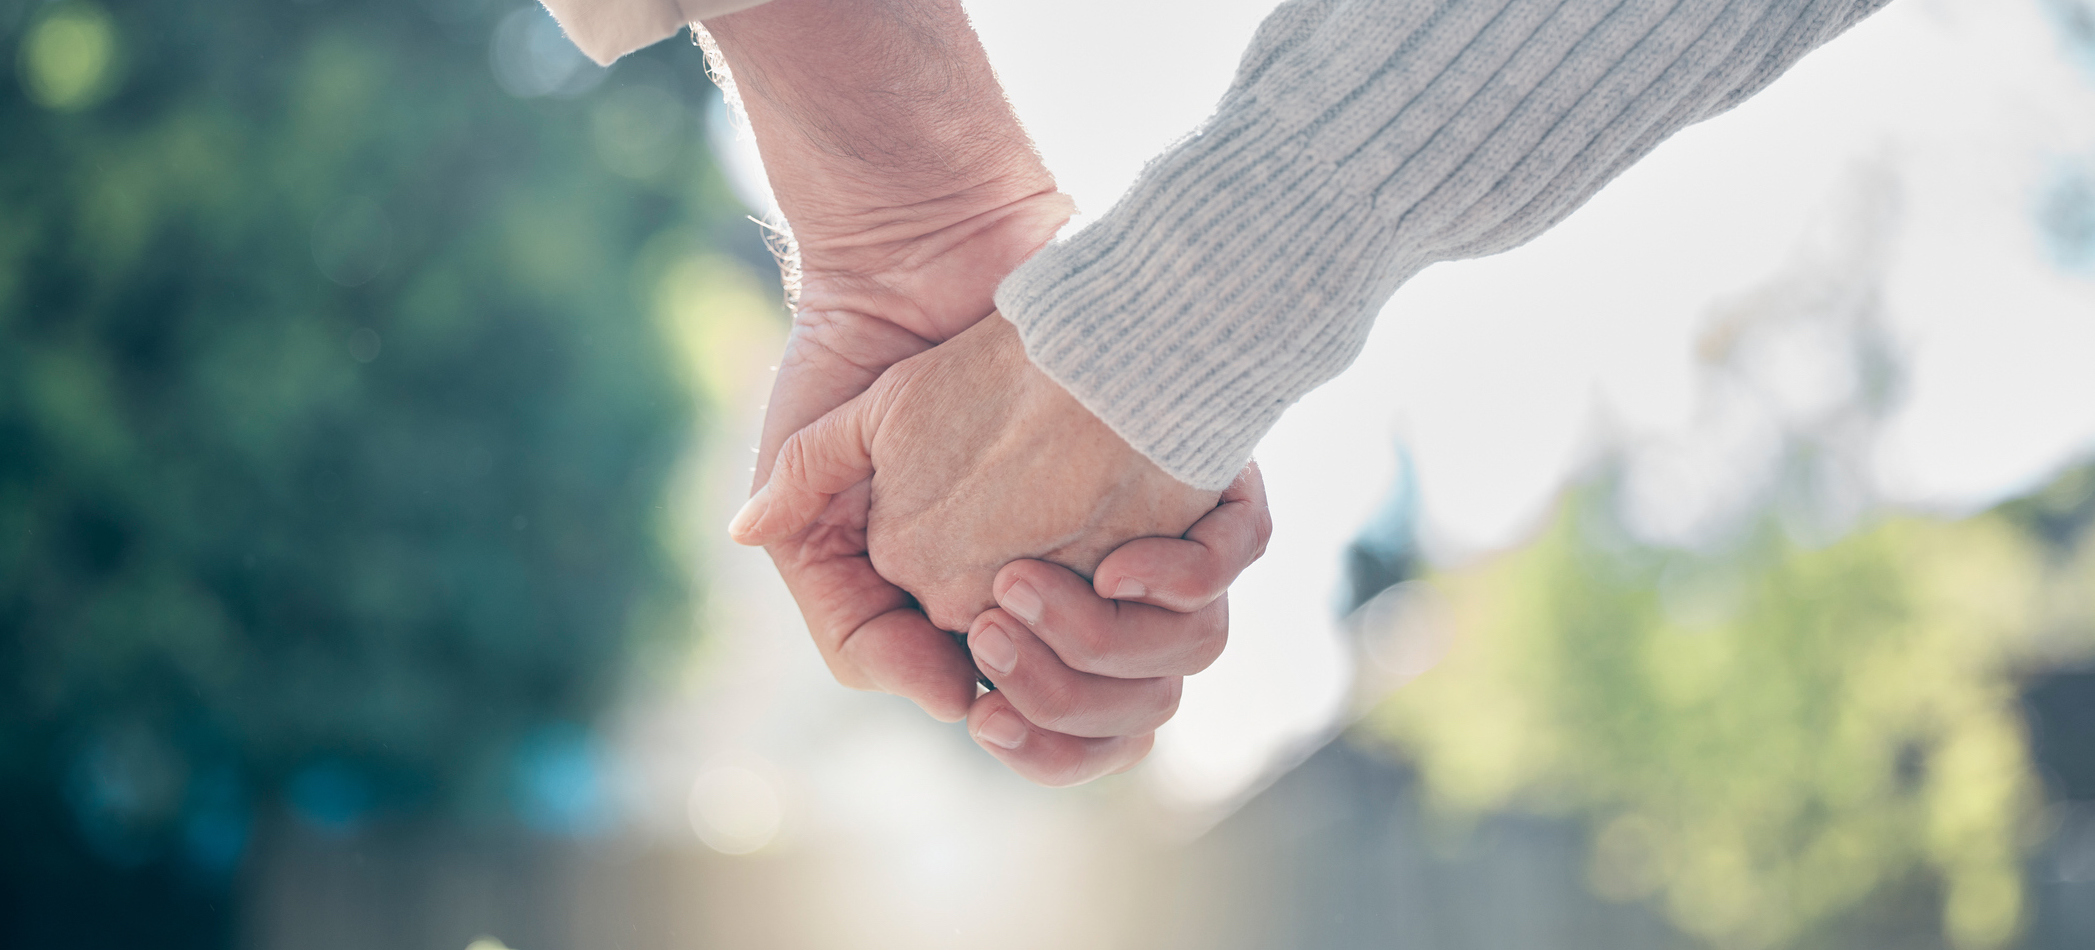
(1085, 671)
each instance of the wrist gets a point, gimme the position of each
(909, 187)
(872, 113)
(933, 271)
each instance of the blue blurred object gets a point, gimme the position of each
(2075, 20)
(331, 797)
(216, 823)
(121, 783)
(2066, 219)
(556, 782)
(1385, 553)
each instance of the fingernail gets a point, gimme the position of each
(752, 510)
(1129, 589)
(1022, 600)
(1002, 729)
(993, 648)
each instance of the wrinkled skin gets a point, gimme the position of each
(912, 191)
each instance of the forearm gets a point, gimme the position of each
(1361, 141)
(865, 108)
(909, 188)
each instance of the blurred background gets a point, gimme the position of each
(1715, 571)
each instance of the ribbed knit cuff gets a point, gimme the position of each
(1196, 312)
(1361, 141)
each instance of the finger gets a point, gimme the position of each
(871, 637)
(1116, 638)
(900, 652)
(1046, 757)
(833, 453)
(1053, 696)
(1186, 574)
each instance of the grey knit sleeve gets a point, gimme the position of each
(1361, 141)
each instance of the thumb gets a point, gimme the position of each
(833, 453)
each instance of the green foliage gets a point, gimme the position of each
(333, 427)
(1765, 738)
(68, 58)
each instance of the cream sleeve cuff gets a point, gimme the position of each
(1361, 141)
(608, 29)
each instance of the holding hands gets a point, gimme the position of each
(917, 474)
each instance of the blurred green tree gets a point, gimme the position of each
(1769, 736)
(334, 425)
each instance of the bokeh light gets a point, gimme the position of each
(70, 59)
(733, 809)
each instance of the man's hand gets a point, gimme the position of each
(975, 460)
(912, 191)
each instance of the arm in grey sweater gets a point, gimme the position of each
(1361, 141)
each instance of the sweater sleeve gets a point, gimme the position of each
(1361, 141)
(608, 29)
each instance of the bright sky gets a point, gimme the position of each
(1502, 377)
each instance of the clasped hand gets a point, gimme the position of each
(968, 478)
(917, 473)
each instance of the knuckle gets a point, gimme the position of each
(1191, 593)
(1072, 773)
(902, 564)
(944, 616)
(1052, 706)
(1084, 647)
(846, 672)
(1210, 636)
(792, 463)
(1153, 706)
(831, 639)
(1133, 759)
(1064, 770)
(1170, 690)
